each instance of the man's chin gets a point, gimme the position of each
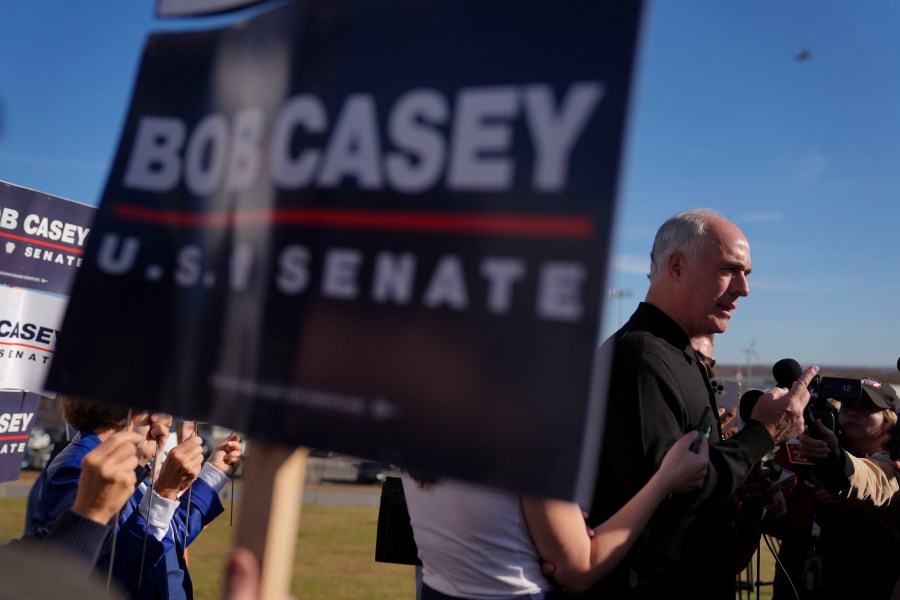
(718, 325)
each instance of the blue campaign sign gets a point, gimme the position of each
(376, 227)
(42, 242)
(42, 239)
(17, 411)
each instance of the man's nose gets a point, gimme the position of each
(740, 285)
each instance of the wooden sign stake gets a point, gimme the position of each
(270, 513)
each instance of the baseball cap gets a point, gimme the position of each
(880, 394)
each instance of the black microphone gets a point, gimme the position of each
(786, 371)
(898, 364)
(747, 402)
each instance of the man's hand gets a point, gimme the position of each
(227, 455)
(107, 477)
(781, 410)
(181, 467)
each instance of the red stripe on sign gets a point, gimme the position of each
(574, 227)
(41, 243)
(26, 346)
(4, 438)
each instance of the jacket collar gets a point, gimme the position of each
(87, 438)
(648, 316)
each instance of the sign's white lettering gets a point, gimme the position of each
(43, 227)
(15, 422)
(468, 144)
(339, 273)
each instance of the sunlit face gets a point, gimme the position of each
(862, 422)
(713, 281)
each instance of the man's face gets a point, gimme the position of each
(712, 283)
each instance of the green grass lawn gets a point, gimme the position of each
(333, 559)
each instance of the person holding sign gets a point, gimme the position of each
(476, 542)
(56, 561)
(152, 527)
(659, 390)
(106, 482)
(183, 469)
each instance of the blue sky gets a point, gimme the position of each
(802, 154)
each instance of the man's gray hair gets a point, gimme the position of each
(682, 233)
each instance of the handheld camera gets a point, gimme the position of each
(821, 389)
(787, 370)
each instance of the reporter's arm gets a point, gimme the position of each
(873, 480)
(558, 529)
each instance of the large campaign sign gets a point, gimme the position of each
(42, 240)
(17, 411)
(375, 227)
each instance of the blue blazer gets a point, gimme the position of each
(165, 573)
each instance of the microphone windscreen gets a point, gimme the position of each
(747, 402)
(786, 371)
(898, 364)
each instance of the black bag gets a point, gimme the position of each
(394, 542)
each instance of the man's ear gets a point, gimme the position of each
(676, 263)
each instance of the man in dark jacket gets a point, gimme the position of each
(658, 392)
